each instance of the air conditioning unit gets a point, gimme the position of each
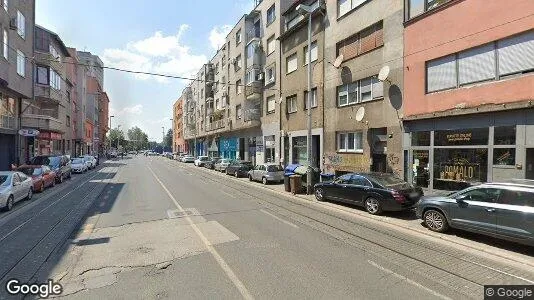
(13, 23)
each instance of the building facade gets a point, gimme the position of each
(178, 143)
(469, 114)
(50, 110)
(17, 19)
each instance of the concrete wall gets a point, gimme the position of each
(452, 29)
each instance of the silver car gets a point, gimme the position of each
(188, 159)
(266, 173)
(14, 186)
(222, 164)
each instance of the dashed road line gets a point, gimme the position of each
(279, 219)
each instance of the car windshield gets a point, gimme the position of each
(274, 168)
(387, 179)
(3, 179)
(77, 161)
(246, 163)
(203, 158)
(30, 171)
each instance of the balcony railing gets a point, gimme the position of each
(216, 125)
(42, 122)
(253, 91)
(45, 91)
(252, 114)
(8, 122)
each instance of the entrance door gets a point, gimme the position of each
(530, 164)
(379, 163)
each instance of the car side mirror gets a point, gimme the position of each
(462, 198)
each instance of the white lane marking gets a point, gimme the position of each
(222, 263)
(408, 280)
(279, 219)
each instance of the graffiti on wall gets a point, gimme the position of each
(345, 162)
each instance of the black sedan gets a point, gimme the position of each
(210, 164)
(376, 192)
(239, 168)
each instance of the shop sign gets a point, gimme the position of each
(228, 144)
(457, 137)
(29, 132)
(472, 136)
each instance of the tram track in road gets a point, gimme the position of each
(458, 270)
(48, 240)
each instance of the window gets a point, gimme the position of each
(21, 25)
(291, 63)
(68, 121)
(481, 195)
(291, 104)
(54, 52)
(238, 111)
(313, 53)
(238, 63)
(217, 68)
(238, 37)
(313, 100)
(362, 42)
(350, 142)
(417, 7)
(6, 44)
(271, 104)
(21, 63)
(251, 76)
(239, 87)
(517, 197)
(363, 90)
(55, 80)
(271, 15)
(271, 45)
(270, 75)
(42, 75)
(514, 55)
(344, 6)
(250, 50)
(504, 135)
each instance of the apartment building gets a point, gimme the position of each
(363, 123)
(178, 143)
(294, 84)
(50, 110)
(468, 114)
(103, 117)
(17, 19)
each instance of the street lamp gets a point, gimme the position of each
(110, 132)
(308, 10)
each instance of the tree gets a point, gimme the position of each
(138, 138)
(167, 140)
(116, 135)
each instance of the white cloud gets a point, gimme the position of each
(218, 35)
(156, 54)
(133, 110)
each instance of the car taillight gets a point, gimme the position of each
(399, 198)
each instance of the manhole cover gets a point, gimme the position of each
(174, 213)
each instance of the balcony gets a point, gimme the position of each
(8, 122)
(216, 125)
(47, 59)
(253, 91)
(47, 93)
(42, 122)
(252, 114)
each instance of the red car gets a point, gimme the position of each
(42, 176)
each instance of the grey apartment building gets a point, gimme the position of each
(17, 19)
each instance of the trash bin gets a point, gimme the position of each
(287, 185)
(296, 183)
(327, 177)
(303, 171)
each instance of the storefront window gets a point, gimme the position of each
(504, 135)
(269, 148)
(504, 156)
(299, 150)
(421, 138)
(420, 168)
(473, 136)
(455, 169)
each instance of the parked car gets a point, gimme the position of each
(188, 159)
(92, 161)
(60, 164)
(42, 176)
(14, 186)
(201, 160)
(239, 168)
(78, 165)
(503, 210)
(222, 164)
(376, 192)
(266, 173)
(210, 164)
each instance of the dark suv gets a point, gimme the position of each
(60, 164)
(503, 210)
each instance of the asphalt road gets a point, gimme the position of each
(149, 227)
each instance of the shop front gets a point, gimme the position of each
(213, 149)
(48, 143)
(228, 147)
(439, 156)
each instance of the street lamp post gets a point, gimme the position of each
(308, 10)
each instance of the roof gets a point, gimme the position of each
(58, 39)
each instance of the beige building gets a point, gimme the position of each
(369, 35)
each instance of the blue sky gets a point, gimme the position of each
(165, 36)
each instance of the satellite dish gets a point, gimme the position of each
(360, 113)
(383, 74)
(338, 61)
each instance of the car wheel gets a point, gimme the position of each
(373, 206)
(61, 178)
(42, 188)
(435, 221)
(236, 174)
(264, 181)
(319, 194)
(9, 203)
(30, 194)
(249, 178)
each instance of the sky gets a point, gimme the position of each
(174, 37)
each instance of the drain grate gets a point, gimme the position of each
(174, 213)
